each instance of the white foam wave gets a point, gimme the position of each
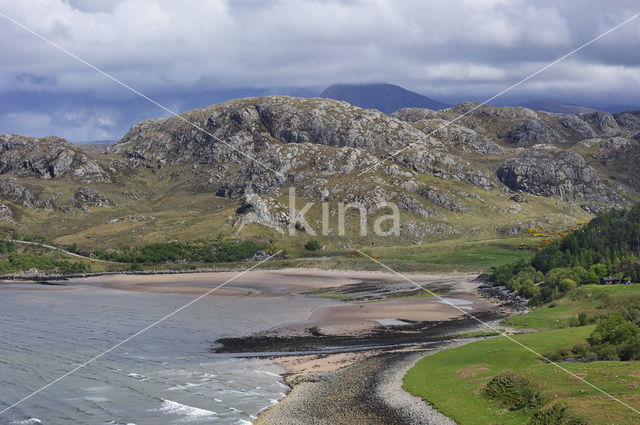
(29, 421)
(174, 408)
(96, 399)
(183, 387)
(267, 372)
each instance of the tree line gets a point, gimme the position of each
(609, 245)
(218, 251)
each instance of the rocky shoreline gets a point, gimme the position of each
(367, 389)
(419, 333)
(366, 392)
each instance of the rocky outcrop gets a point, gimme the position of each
(414, 114)
(17, 193)
(602, 121)
(47, 158)
(531, 131)
(456, 137)
(579, 128)
(617, 150)
(5, 212)
(629, 120)
(87, 197)
(551, 172)
(444, 200)
(256, 124)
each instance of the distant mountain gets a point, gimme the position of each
(386, 98)
(613, 109)
(555, 107)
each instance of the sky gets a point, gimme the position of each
(193, 53)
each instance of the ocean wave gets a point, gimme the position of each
(183, 386)
(96, 399)
(267, 372)
(174, 408)
(30, 421)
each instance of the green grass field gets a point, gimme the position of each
(441, 256)
(592, 300)
(452, 379)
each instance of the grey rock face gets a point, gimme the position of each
(260, 122)
(629, 120)
(260, 127)
(458, 137)
(14, 191)
(86, 197)
(602, 121)
(443, 200)
(617, 149)
(5, 213)
(577, 126)
(531, 131)
(414, 114)
(550, 172)
(47, 158)
(475, 109)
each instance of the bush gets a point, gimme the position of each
(614, 329)
(566, 285)
(582, 319)
(512, 391)
(607, 352)
(555, 415)
(312, 245)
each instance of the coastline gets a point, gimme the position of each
(344, 359)
(369, 390)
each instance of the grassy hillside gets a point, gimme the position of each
(590, 300)
(452, 380)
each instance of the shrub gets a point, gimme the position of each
(607, 352)
(614, 329)
(512, 391)
(312, 245)
(566, 285)
(555, 415)
(582, 319)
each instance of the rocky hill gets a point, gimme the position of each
(493, 172)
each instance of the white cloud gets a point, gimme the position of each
(446, 48)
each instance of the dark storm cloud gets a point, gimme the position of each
(191, 54)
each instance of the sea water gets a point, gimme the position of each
(165, 375)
